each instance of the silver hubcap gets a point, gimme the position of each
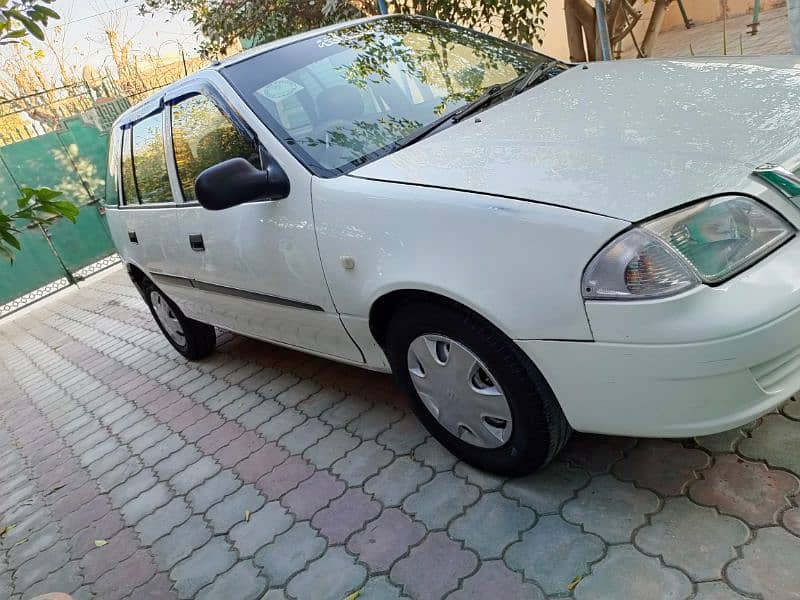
(459, 391)
(167, 318)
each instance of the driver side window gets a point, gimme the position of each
(203, 136)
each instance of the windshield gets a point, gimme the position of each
(340, 99)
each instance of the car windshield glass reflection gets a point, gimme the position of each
(342, 98)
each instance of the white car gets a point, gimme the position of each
(530, 246)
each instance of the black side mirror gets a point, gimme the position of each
(236, 181)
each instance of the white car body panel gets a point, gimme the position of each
(501, 213)
(516, 261)
(627, 139)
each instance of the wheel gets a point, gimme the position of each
(193, 339)
(474, 389)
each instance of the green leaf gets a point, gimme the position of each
(9, 239)
(31, 26)
(5, 252)
(45, 193)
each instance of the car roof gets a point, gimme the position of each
(153, 103)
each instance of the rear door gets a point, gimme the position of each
(254, 268)
(144, 226)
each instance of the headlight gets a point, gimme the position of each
(707, 242)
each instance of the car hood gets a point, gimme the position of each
(625, 139)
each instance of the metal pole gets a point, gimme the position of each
(382, 7)
(602, 30)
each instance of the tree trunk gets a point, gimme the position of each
(794, 23)
(654, 26)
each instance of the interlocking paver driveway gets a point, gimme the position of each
(126, 472)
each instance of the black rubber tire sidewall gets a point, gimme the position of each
(201, 339)
(539, 427)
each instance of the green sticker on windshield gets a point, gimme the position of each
(280, 89)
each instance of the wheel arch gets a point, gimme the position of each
(382, 309)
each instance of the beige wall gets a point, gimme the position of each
(700, 11)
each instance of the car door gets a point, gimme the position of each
(254, 268)
(146, 206)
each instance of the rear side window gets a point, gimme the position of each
(149, 161)
(129, 195)
(203, 136)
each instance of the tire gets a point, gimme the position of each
(538, 429)
(195, 340)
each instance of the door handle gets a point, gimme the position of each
(196, 242)
(132, 237)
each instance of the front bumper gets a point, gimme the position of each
(700, 363)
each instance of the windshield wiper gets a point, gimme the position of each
(454, 116)
(537, 74)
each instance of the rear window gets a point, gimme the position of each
(129, 195)
(149, 161)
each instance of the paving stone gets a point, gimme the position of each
(194, 474)
(162, 450)
(259, 414)
(101, 529)
(202, 567)
(791, 520)
(404, 435)
(437, 502)
(596, 453)
(792, 408)
(98, 561)
(241, 405)
(261, 462)
(119, 474)
(331, 448)
(232, 509)
(66, 578)
(610, 508)
(128, 490)
(158, 588)
(145, 503)
(162, 520)
(148, 439)
(346, 514)
(286, 476)
(379, 588)
(44, 562)
(484, 480)
(289, 553)
(345, 411)
(727, 441)
(277, 385)
(85, 515)
(180, 542)
(223, 398)
(239, 449)
(434, 455)
(386, 539)
(554, 552)
(716, 590)
(776, 441)
(213, 490)
(627, 573)
(318, 403)
(242, 581)
(546, 490)
(398, 480)
(696, 539)
(281, 424)
(371, 423)
(362, 462)
(261, 529)
(748, 490)
(204, 427)
(297, 393)
(304, 436)
(768, 565)
(313, 494)
(663, 466)
(127, 576)
(433, 568)
(177, 463)
(335, 575)
(491, 524)
(494, 580)
(104, 464)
